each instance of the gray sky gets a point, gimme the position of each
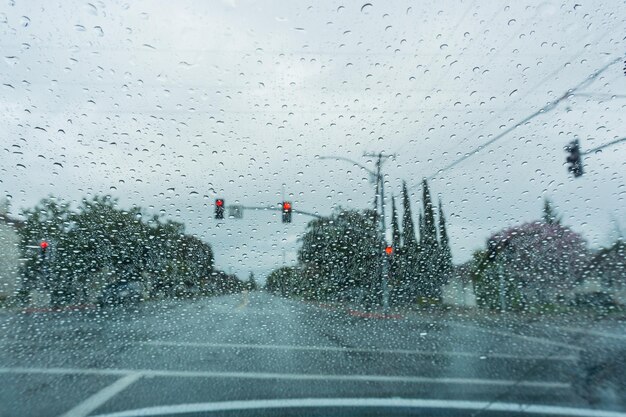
(171, 104)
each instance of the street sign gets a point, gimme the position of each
(235, 211)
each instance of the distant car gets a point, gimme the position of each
(120, 293)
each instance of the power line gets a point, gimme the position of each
(549, 107)
(454, 29)
(548, 77)
(491, 58)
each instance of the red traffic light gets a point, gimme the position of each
(388, 250)
(43, 245)
(286, 211)
(219, 208)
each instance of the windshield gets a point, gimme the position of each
(312, 208)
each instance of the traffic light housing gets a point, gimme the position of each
(219, 208)
(286, 209)
(574, 158)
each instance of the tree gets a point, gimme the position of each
(341, 254)
(251, 284)
(285, 281)
(445, 256)
(49, 220)
(550, 216)
(429, 262)
(535, 263)
(408, 229)
(408, 255)
(98, 244)
(396, 238)
(396, 244)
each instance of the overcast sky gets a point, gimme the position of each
(170, 104)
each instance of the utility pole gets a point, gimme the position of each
(378, 177)
(380, 186)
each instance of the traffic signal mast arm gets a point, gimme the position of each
(280, 208)
(606, 145)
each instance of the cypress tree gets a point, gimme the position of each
(429, 266)
(408, 229)
(430, 228)
(444, 245)
(421, 228)
(396, 240)
(549, 214)
(407, 268)
(396, 260)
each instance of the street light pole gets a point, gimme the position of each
(383, 224)
(380, 187)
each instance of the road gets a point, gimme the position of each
(260, 347)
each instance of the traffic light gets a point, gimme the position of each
(219, 208)
(574, 158)
(286, 211)
(43, 246)
(389, 250)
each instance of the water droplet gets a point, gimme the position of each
(366, 8)
(91, 9)
(79, 28)
(24, 21)
(98, 31)
(11, 60)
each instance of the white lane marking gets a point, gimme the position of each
(84, 408)
(289, 376)
(589, 332)
(519, 336)
(358, 350)
(362, 403)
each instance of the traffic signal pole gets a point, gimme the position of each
(380, 185)
(383, 226)
(378, 177)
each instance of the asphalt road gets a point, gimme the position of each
(248, 350)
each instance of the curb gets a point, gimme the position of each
(57, 309)
(374, 315)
